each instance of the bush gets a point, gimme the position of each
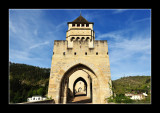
(119, 98)
(110, 99)
(41, 91)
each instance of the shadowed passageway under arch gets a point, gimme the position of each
(80, 98)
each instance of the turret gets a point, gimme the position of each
(80, 30)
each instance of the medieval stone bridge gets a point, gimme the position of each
(80, 64)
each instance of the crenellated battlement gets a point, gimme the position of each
(80, 48)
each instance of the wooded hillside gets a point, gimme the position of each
(132, 84)
(26, 80)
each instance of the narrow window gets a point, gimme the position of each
(87, 25)
(77, 38)
(78, 25)
(72, 38)
(96, 53)
(82, 38)
(53, 53)
(107, 53)
(85, 53)
(74, 53)
(82, 25)
(73, 25)
(63, 53)
(87, 39)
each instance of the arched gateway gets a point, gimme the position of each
(76, 60)
(94, 93)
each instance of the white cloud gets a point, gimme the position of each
(116, 35)
(133, 45)
(18, 55)
(117, 11)
(141, 20)
(29, 34)
(39, 44)
(129, 52)
(127, 48)
(35, 32)
(24, 29)
(12, 27)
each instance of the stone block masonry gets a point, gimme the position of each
(80, 57)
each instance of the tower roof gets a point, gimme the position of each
(81, 19)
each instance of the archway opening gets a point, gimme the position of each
(80, 87)
(69, 95)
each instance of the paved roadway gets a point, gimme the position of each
(80, 98)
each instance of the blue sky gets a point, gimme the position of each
(128, 32)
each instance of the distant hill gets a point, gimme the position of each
(132, 84)
(27, 80)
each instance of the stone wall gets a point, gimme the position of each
(51, 101)
(64, 58)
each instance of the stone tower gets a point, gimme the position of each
(80, 29)
(80, 59)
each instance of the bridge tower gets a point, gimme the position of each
(80, 58)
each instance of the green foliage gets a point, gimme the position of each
(132, 84)
(49, 98)
(120, 98)
(34, 92)
(41, 91)
(27, 81)
(30, 94)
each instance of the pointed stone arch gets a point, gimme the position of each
(80, 79)
(64, 82)
(58, 81)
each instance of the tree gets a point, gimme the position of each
(30, 93)
(25, 79)
(40, 91)
(17, 97)
(34, 92)
(119, 98)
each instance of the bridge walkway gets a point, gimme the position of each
(81, 98)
